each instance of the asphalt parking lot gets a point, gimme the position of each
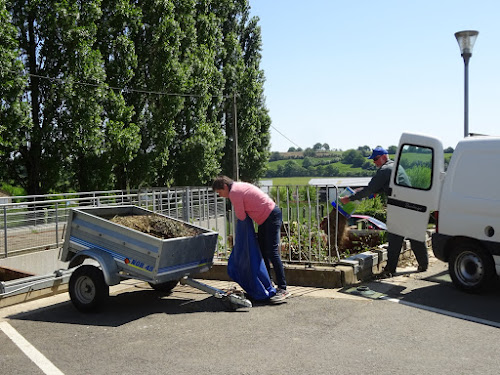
(413, 324)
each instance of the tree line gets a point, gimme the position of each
(324, 166)
(318, 162)
(102, 94)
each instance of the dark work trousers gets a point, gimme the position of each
(268, 235)
(394, 249)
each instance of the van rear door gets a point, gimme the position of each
(412, 199)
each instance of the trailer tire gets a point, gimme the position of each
(165, 287)
(87, 288)
(471, 268)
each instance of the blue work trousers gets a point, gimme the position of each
(394, 249)
(268, 235)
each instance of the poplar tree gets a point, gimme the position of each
(244, 80)
(126, 94)
(13, 111)
(118, 26)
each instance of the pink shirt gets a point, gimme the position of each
(249, 199)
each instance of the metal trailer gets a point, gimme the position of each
(106, 253)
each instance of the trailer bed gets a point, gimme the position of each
(138, 254)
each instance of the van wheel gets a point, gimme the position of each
(87, 288)
(471, 267)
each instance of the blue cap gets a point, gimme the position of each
(377, 151)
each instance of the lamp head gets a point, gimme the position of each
(466, 40)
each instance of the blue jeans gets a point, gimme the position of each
(268, 235)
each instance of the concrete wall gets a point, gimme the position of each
(38, 263)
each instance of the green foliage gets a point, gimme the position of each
(274, 156)
(310, 152)
(303, 211)
(374, 207)
(349, 156)
(365, 150)
(141, 93)
(13, 112)
(306, 163)
(12, 190)
(409, 159)
(318, 167)
(392, 149)
(291, 181)
(420, 176)
(358, 161)
(318, 146)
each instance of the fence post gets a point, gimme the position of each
(297, 202)
(185, 205)
(5, 230)
(153, 194)
(57, 225)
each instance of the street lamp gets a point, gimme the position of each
(466, 40)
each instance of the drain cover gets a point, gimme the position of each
(364, 291)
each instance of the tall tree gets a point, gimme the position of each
(84, 94)
(199, 134)
(13, 111)
(134, 93)
(29, 137)
(243, 76)
(64, 92)
(160, 70)
(254, 118)
(118, 26)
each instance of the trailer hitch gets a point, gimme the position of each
(235, 297)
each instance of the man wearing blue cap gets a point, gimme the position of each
(380, 184)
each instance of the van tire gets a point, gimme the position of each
(471, 268)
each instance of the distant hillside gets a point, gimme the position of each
(323, 164)
(301, 154)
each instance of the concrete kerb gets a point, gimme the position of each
(348, 271)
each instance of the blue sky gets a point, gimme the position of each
(355, 73)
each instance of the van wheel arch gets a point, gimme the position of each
(453, 242)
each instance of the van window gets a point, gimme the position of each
(415, 167)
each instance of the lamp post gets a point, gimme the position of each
(466, 40)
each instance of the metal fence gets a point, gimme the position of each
(35, 223)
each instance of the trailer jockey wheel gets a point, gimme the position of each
(87, 288)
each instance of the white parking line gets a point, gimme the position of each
(444, 312)
(31, 352)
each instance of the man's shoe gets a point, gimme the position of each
(280, 296)
(421, 269)
(385, 275)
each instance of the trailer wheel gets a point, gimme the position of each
(87, 288)
(471, 268)
(165, 287)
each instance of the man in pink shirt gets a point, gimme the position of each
(248, 199)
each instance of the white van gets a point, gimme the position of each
(465, 199)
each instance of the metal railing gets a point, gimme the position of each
(35, 223)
